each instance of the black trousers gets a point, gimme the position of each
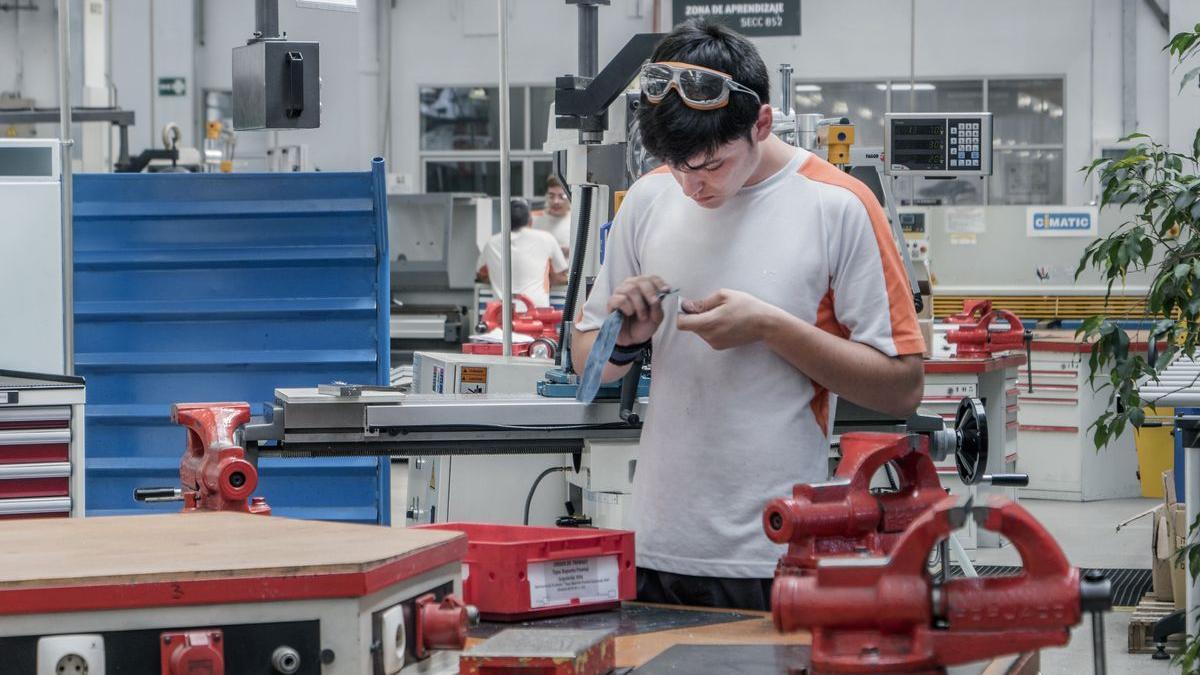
(680, 589)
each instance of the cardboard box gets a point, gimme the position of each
(1178, 524)
(1160, 556)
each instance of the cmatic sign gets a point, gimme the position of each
(756, 19)
(1061, 221)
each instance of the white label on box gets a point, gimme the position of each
(577, 581)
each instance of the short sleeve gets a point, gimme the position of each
(620, 263)
(872, 300)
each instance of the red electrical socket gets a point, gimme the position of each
(193, 652)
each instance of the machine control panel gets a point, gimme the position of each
(912, 224)
(938, 145)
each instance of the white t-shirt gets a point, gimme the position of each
(727, 431)
(559, 227)
(534, 254)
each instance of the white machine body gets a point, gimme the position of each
(31, 256)
(481, 488)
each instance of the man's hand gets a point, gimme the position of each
(726, 319)
(637, 298)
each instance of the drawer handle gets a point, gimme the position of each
(16, 507)
(35, 437)
(34, 414)
(38, 470)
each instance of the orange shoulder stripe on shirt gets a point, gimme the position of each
(826, 321)
(906, 334)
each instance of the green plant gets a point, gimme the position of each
(1161, 236)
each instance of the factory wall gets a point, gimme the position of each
(454, 43)
(847, 39)
(350, 62)
(447, 42)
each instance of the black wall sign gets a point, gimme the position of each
(756, 19)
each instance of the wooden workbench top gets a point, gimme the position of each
(980, 365)
(192, 546)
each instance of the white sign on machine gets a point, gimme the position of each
(575, 581)
(1062, 221)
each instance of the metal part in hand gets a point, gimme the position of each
(602, 349)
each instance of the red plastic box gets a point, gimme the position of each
(513, 572)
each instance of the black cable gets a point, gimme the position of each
(533, 488)
(559, 155)
(577, 255)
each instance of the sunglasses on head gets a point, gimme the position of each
(700, 88)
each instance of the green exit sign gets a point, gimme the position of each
(172, 86)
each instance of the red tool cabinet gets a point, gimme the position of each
(41, 445)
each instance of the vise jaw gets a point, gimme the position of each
(887, 614)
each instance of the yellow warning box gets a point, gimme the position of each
(472, 380)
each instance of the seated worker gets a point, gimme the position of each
(794, 289)
(537, 260)
(556, 219)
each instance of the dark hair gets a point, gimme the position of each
(553, 182)
(520, 213)
(675, 133)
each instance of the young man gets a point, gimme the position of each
(795, 289)
(556, 219)
(537, 261)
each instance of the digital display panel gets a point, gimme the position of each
(919, 145)
(950, 144)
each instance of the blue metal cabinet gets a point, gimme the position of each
(212, 287)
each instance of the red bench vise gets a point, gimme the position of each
(214, 473)
(845, 517)
(978, 340)
(876, 615)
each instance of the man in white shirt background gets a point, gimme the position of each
(537, 260)
(556, 218)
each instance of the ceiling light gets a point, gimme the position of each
(866, 113)
(808, 87)
(840, 108)
(905, 86)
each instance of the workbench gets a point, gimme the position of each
(713, 641)
(119, 584)
(1060, 456)
(993, 380)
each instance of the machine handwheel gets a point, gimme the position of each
(970, 423)
(543, 348)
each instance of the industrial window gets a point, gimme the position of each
(460, 146)
(1028, 119)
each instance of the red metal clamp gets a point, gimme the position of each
(843, 517)
(977, 340)
(973, 310)
(875, 615)
(440, 624)
(214, 472)
(194, 652)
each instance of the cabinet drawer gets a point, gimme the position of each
(25, 481)
(1048, 413)
(27, 446)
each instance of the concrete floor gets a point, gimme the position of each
(1087, 534)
